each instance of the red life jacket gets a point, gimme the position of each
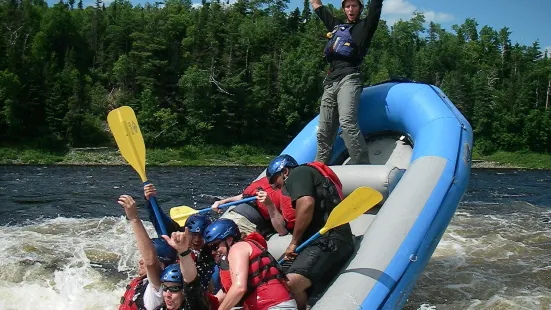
(266, 285)
(282, 204)
(285, 206)
(329, 174)
(214, 303)
(133, 297)
(264, 185)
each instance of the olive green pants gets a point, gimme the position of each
(339, 104)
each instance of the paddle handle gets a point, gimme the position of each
(304, 244)
(157, 212)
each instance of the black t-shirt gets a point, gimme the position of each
(205, 266)
(307, 181)
(362, 33)
(195, 296)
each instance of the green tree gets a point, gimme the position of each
(250, 72)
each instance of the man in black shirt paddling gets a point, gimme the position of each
(345, 51)
(314, 190)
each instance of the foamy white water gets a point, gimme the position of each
(494, 255)
(67, 263)
(491, 257)
(487, 259)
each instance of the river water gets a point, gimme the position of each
(66, 244)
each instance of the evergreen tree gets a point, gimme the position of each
(243, 73)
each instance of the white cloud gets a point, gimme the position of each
(398, 7)
(548, 49)
(394, 10)
(438, 17)
(87, 3)
(223, 3)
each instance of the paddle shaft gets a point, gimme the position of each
(157, 212)
(303, 245)
(229, 204)
(308, 242)
(191, 212)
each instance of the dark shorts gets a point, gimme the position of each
(321, 261)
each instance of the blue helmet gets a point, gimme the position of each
(220, 230)
(165, 252)
(277, 164)
(172, 273)
(197, 223)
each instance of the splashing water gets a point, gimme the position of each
(67, 263)
(491, 257)
(496, 253)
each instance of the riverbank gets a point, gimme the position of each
(239, 155)
(509, 160)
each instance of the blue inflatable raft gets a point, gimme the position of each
(420, 153)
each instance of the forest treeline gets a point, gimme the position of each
(246, 73)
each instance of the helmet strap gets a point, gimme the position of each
(227, 245)
(285, 176)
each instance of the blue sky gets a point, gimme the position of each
(527, 20)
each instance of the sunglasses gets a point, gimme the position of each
(172, 289)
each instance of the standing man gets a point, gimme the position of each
(345, 51)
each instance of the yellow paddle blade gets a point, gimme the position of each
(181, 213)
(124, 126)
(357, 203)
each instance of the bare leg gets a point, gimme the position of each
(298, 284)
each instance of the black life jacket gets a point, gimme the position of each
(331, 189)
(342, 46)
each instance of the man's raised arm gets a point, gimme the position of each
(315, 4)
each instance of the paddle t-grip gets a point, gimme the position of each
(157, 211)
